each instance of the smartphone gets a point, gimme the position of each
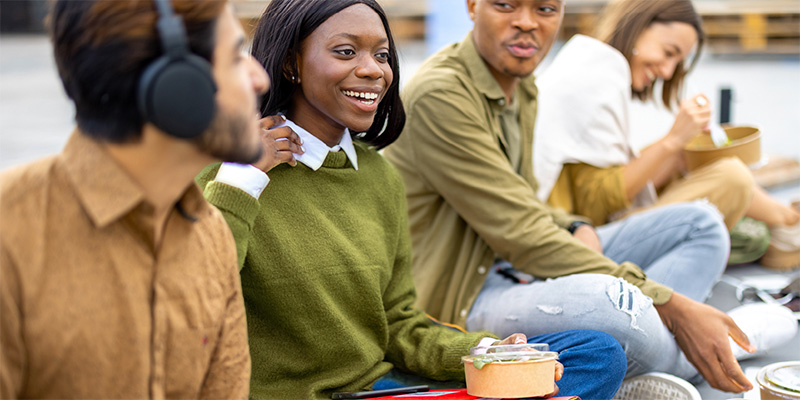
(379, 393)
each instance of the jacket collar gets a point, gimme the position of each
(105, 190)
(483, 79)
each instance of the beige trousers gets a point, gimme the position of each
(726, 183)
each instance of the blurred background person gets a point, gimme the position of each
(584, 158)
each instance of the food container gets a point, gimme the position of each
(745, 144)
(780, 381)
(510, 371)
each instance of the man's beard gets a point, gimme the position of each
(225, 139)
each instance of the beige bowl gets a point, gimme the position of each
(511, 380)
(745, 144)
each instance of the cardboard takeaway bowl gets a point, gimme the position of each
(510, 375)
(745, 144)
(780, 381)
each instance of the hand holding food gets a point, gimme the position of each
(692, 119)
(718, 135)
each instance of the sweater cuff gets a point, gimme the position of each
(232, 200)
(453, 367)
(243, 176)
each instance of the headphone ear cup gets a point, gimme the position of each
(178, 95)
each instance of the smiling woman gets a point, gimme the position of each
(626, 24)
(324, 248)
(370, 54)
(347, 63)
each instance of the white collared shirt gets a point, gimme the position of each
(253, 180)
(316, 150)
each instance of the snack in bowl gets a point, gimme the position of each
(510, 371)
(745, 143)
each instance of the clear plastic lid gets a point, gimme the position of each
(785, 376)
(509, 353)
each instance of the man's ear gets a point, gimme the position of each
(471, 8)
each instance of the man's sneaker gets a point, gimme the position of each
(767, 326)
(657, 386)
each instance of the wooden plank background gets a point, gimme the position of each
(732, 26)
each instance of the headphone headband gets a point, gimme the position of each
(171, 30)
(177, 91)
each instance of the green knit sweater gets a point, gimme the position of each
(326, 279)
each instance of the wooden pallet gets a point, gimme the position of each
(753, 33)
(406, 17)
(778, 171)
(393, 8)
(732, 26)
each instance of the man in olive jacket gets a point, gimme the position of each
(466, 158)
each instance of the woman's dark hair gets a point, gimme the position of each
(623, 21)
(278, 38)
(102, 48)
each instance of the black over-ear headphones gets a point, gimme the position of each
(176, 91)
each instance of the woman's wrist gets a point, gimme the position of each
(671, 144)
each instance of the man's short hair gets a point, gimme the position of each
(102, 47)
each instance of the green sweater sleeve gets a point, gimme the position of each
(416, 344)
(239, 208)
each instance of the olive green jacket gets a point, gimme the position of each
(467, 205)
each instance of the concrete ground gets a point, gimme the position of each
(36, 118)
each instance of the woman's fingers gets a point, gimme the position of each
(516, 338)
(559, 371)
(271, 120)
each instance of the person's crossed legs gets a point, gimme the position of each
(684, 246)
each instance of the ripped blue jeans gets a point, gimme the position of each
(683, 246)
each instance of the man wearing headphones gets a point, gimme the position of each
(117, 279)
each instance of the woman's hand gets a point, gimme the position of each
(693, 117)
(279, 144)
(661, 160)
(516, 338)
(559, 374)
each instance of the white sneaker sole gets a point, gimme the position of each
(657, 386)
